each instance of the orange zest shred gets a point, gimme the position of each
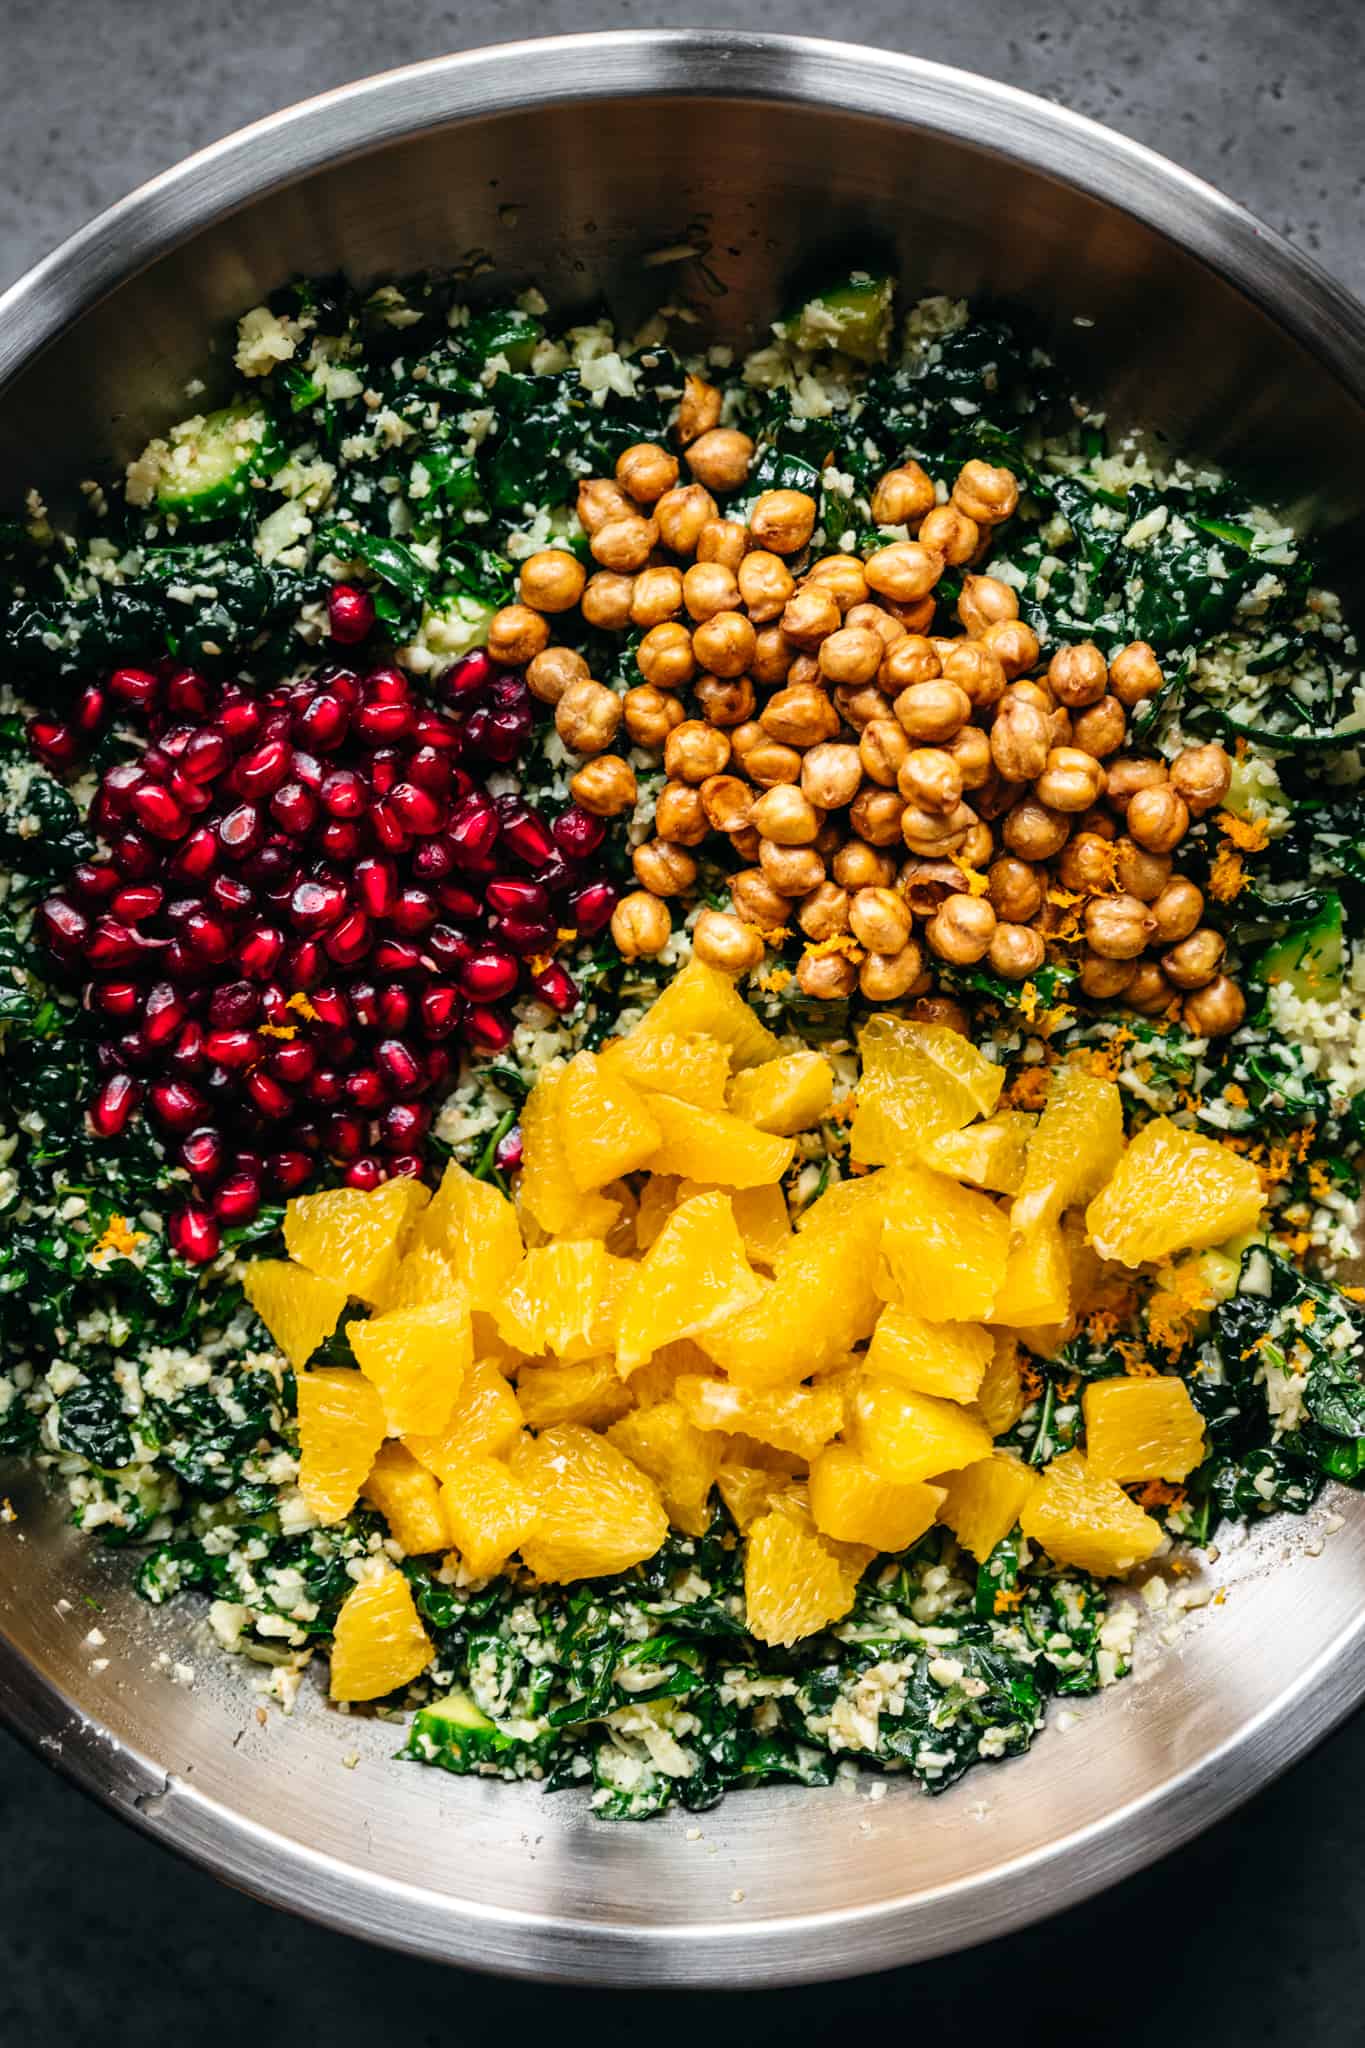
(1251, 835)
(977, 883)
(1008, 1598)
(1227, 875)
(277, 1030)
(838, 942)
(1157, 1493)
(119, 1239)
(300, 1003)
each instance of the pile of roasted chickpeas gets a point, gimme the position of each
(899, 796)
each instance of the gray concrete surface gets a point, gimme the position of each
(1253, 1935)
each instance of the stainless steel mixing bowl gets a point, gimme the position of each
(569, 162)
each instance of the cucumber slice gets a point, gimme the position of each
(853, 317)
(454, 1732)
(1309, 956)
(209, 470)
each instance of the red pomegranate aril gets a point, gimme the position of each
(187, 1054)
(498, 735)
(270, 1096)
(339, 841)
(90, 710)
(387, 686)
(388, 828)
(111, 944)
(474, 673)
(55, 743)
(323, 722)
(275, 1007)
(261, 772)
(555, 986)
(393, 1009)
(239, 720)
(273, 869)
(383, 724)
(325, 1085)
(432, 861)
(430, 769)
(163, 1013)
(233, 1006)
(591, 907)
(204, 1153)
(137, 687)
(421, 811)
(511, 896)
(344, 1136)
(577, 833)
(114, 1104)
(507, 1153)
(440, 1008)
(399, 1065)
(207, 937)
(238, 1199)
(155, 762)
(365, 1004)
(205, 756)
(474, 829)
(197, 854)
(343, 794)
(404, 1125)
(116, 998)
(406, 1166)
(195, 1235)
(350, 614)
(187, 694)
(448, 946)
(488, 1030)
(136, 903)
(307, 964)
(117, 786)
(376, 885)
(231, 895)
(487, 974)
(133, 1051)
(313, 906)
(241, 832)
(292, 1061)
(157, 811)
(458, 902)
(308, 769)
(438, 1065)
(95, 879)
(330, 1007)
(366, 1174)
(527, 837)
(365, 1088)
(289, 1171)
(386, 769)
(259, 951)
(176, 1104)
(349, 940)
(295, 808)
(414, 912)
(396, 956)
(524, 935)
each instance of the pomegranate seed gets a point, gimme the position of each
(326, 1085)
(55, 744)
(450, 947)
(438, 1064)
(498, 735)
(339, 841)
(115, 1103)
(405, 1166)
(116, 789)
(349, 940)
(364, 1173)
(459, 903)
(592, 905)
(238, 1199)
(306, 964)
(473, 674)
(112, 943)
(526, 836)
(163, 1013)
(96, 879)
(116, 998)
(187, 694)
(293, 1061)
(65, 928)
(176, 1104)
(137, 687)
(344, 1136)
(383, 724)
(230, 895)
(523, 935)
(393, 1009)
(308, 770)
(432, 860)
(315, 905)
(261, 772)
(195, 1235)
(134, 1051)
(577, 833)
(488, 1030)
(474, 829)
(259, 952)
(514, 897)
(229, 1048)
(399, 1067)
(508, 1150)
(90, 711)
(350, 614)
(241, 832)
(488, 974)
(388, 828)
(232, 1006)
(331, 1007)
(429, 768)
(365, 1004)
(289, 1171)
(413, 912)
(204, 1153)
(191, 796)
(270, 1096)
(239, 719)
(294, 807)
(205, 756)
(365, 1088)
(387, 686)
(420, 811)
(440, 1009)
(197, 855)
(275, 1005)
(396, 956)
(403, 1126)
(556, 987)
(386, 768)
(343, 793)
(207, 937)
(324, 721)
(188, 1051)
(272, 870)
(376, 883)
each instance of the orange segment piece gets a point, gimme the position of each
(486, 1416)
(590, 1391)
(918, 1080)
(1036, 1289)
(694, 1274)
(702, 1000)
(984, 1501)
(1000, 1399)
(406, 1496)
(944, 1249)
(796, 1581)
(947, 1359)
(341, 1426)
(353, 1235)
(1142, 1429)
(712, 1145)
(476, 1228)
(598, 1513)
(821, 1303)
(1083, 1520)
(784, 1095)
(1173, 1191)
(691, 1069)
(546, 1188)
(488, 1511)
(989, 1154)
(565, 1299)
(905, 1436)
(300, 1309)
(800, 1420)
(760, 1215)
(605, 1127)
(420, 1277)
(854, 1504)
(1073, 1150)
(681, 1459)
(380, 1642)
(748, 1490)
(417, 1358)
(658, 1200)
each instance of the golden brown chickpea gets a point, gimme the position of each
(1134, 673)
(725, 700)
(606, 600)
(1177, 910)
(1016, 951)
(1118, 927)
(824, 913)
(783, 521)
(1157, 818)
(1128, 774)
(551, 580)
(873, 619)
(908, 662)
(1019, 739)
(974, 669)
(640, 926)
(795, 870)
(710, 588)
(858, 707)
(1097, 821)
(930, 778)
(1014, 645)
(724, 941)
(799, 716)
(1034, 832)
(933, 712)
(785, 814)
(516, 635)
(882, 746)
(600, 500)
(1140, 873)
(986, 494)
(842, 577)
(774, 654)
(663, 869)
(804, 673)
(1016, 890)
(1149, 991)
(700, 409)
(645, 471)
(995, 796)
(926, 884)
(851, 655)
(886, 977)
(1202, 776)
(746, 845)
(657, 596)
(1100, 729)
(1078, 675)
(724, 644)
(912, 618)
(720, 458)
(831, 774)
(724, 541)
(757, 902)
(681, 514)
(971, 750)
(810, 616)
(665, 658)
(950, 533)
(694, 750)
(680, 816)
(875, 815)
(606, 786)
(942, 1010)
(771, 764)
(549, 674)
(1196, 960)
(727, 802)
(902, 496)
(859, 866)
(827, 977)
(745, 737)
(986, 601)
(1086, 864)
(1213, 1011)
(1071, 781)
(1104, 979)
(765, 585)
(650, 716)
(979, 845)
(625, 545)
(961, 930)
(906, 571)
(880, 920)
(935, 834)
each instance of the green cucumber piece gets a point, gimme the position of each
(211, 470)
(456, 1734)
(853, 317)
(1309, 956)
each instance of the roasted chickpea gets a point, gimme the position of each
(650, 716)
(828, 977)
(880, 920)
(824, 913)
(1158, 818)
(986, 601)
(724, 541)
(1019, 739)
(765, 585)
(842, 577)
(859, 866)
(933, 712)
(794, 870)
(710, 588)
(600, 500)
(720, 458)
(1202, 776)
(1128, 773)
(1118, 927)
(549, 673)
(804, 673)
(1140, 873)
(757, 902)
(727, 802)
(1033, 831)
(1014, 645)
(908, 662)
(882, 747)
(700, 409)
(725, 700)
(680, 816)
(930, 778)
(783, 521)
(831, 774)
(1104, 979)
(961, 929)
(1134, 673)
(1148, 991)
(1097, 821)
(606, 786)
(724, 941)
(747, 845)
(771, 764)
(664, 869)
(995, 796)
(851, 655)
(1100, 729)
(858, 707)
(774, 654)
(984, 493)
(551, 580)
(873, 619)
(875, 815)
(681, 514)
(606, 600)
(1016, 890)
(950, 533)
(625, 545)
(1086, 864)
(694, 750)
(665, 658)
(799, 716)
(912, 618)
(786, 814)
(645, 471)
(516, 635)
(1213, 1011)
(724, 644)
(1078, 675)
(640, 926)
(1196, 960)
(886, 977)
(906, 571)
(1071, 781)
(971, 750)
(657, 596)
(810, 616)
(935, 834)
(974, 669)
(902, 496)
(1177, 910)
(1016, 951)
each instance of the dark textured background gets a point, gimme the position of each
(1254, 1935)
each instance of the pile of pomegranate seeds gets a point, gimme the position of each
(309, 903)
